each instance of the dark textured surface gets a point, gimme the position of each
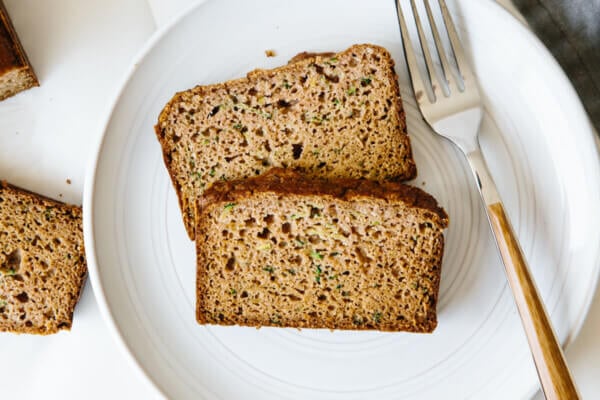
(571, 31)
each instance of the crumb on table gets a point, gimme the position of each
(68, 181)
(270, 53)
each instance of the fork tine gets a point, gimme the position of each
(425, 48)
(411, 61)
(463, 66)
(440, 50)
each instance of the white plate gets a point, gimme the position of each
(544, 160)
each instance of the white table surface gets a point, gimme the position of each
(81, 51)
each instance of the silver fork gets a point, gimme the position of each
(457, 116)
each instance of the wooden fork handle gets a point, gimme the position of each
(554, 375)
(555, 378)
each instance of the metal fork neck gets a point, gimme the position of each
(484, 180)
(460, 125)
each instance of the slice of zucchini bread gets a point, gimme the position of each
(285, 250)
(326, 115)
(42, 262)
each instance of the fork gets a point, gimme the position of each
(456, 113)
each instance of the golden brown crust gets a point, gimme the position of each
(42, 262)
(285, 182)
(350, 124)
(312, 55)
(39, 198)
(13, 60)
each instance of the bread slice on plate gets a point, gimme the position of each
(285, 250)
(326, 115)
(42, 262)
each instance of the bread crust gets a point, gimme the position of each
(284, 182)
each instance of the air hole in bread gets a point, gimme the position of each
(315, 212)
(284, 103)
(332, 78)
(12, 263)
(230, 264)
(22, 297)
(264, 234)
(297, 150)
(214, 111)
(424, 227)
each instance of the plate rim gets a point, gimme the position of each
(92, 170)
(88, 199)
